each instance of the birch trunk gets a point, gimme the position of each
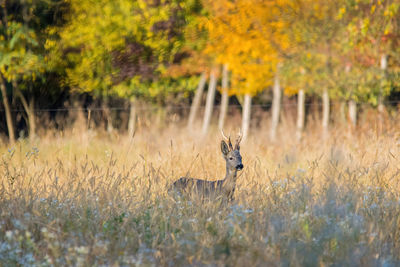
(246, 115)
(210, 102)
(276, 106)
(132, 118)
(353, 112)
(300, 113)
(196, 101)
(10, 124)
(381, 107)
(30, 112)
(325, 112)
(342, 109)
(352, 106)
(224, 97)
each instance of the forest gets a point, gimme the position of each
(120, 61)
(110, 106)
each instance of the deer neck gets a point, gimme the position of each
(230, 177)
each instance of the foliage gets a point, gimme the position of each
(167, 90)
(371, 31)
(107, 43)
(240, 34)
(21, 56)
(313, 40)
(123, 47)
(24, 60)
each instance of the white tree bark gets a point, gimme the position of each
(353, 112)
(300, 113)
(210, 102)
(132, 118)
(276, 106)
(352, 105)
(224, 97)
(342, 112)
(246, 115)
(381, 107)
(196, 100)
(325, 112)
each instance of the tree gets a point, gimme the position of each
(10, 124)
(276, 106)
(22, 57)
(315, 32)
(224, 97)
(210, 101)
(242, 35)
(122, 47)
(370, 36)
(196, 100)
(246, 115)
(300, 113)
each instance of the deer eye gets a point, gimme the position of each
(230, 158)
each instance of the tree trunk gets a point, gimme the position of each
(32, 119)
(325, 112)
(353, 112)
(80, 124)
(30, 111)
(132, 118)
(210, 102)
(246, 115)
(196, 100)
(381, 107)
(342, 112)
(352, 106)
(300, 113)
(276, 106)
(224, 97)
(107, 113)
(7, 109)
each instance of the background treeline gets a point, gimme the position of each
(109, 62)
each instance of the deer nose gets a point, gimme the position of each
(239, 167)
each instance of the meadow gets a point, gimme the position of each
(84, 199)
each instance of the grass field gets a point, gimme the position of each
(84, 199)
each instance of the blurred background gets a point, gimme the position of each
(121, 65)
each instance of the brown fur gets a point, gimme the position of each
(224, 188)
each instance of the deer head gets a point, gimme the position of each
(231, 154)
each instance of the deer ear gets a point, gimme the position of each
(224, 148)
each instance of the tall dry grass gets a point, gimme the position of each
(88, 200)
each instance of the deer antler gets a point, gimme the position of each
(223, 135)
(227, 139)
(238, 139)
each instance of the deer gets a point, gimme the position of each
(223, 188)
